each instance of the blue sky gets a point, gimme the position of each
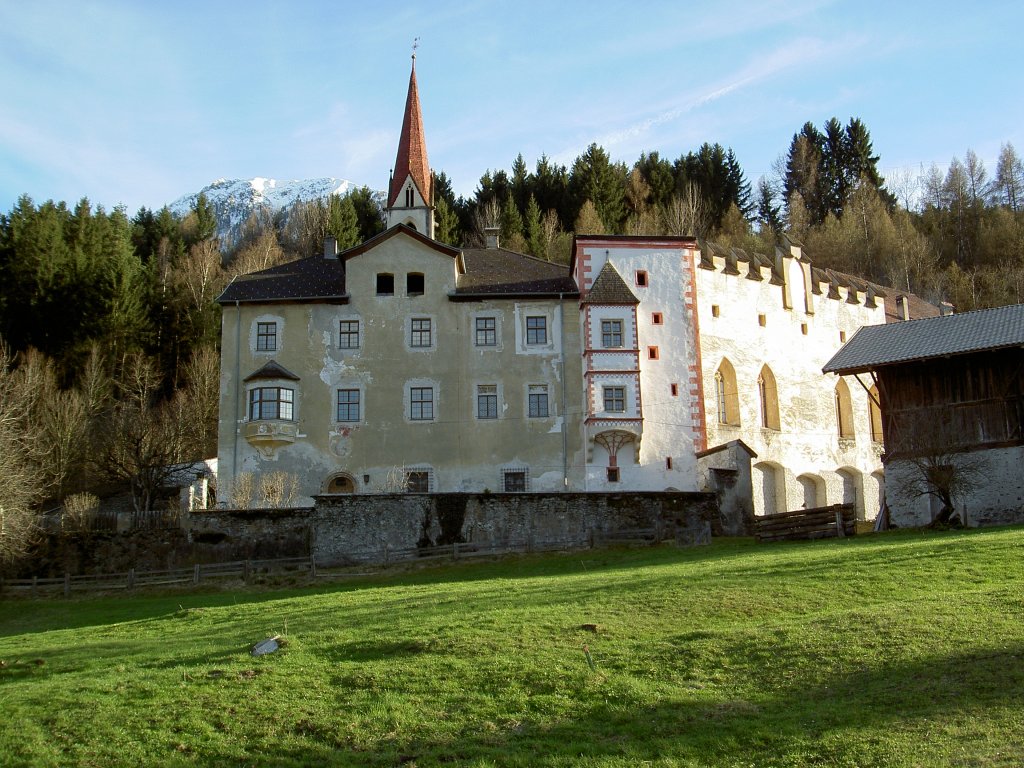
(138, 103)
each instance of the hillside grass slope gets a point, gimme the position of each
(896, 649)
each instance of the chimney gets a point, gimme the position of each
(946, 308)
(491, 236)
(330, 248)
(903, 307)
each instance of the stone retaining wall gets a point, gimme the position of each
(362, 528)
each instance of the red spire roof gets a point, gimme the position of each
(412, 147)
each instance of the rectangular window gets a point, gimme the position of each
(615, 399)
(271, 403)
(487, 401)
(414, 284)
(348, 334)
(653, 353)
(536, 330)
(613, 474)
(385, 284)
(420, 333)
(668, 462)
(538, 401)
(674, 388)
(266, 337)
(641, 278)
(514, 481)
(348, 405)
(657, 318)
(486, 331)
(417, 481)
(611, 333)
(421, 403)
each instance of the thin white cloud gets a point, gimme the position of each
(794, 55)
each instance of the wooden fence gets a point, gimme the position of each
(196, 574)
(818, 523)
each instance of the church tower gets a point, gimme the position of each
(410, 195)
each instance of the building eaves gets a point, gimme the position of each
(876, 346)
(271, 370)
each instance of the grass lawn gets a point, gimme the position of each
(894, 649)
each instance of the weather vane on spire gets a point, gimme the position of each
(415, 45)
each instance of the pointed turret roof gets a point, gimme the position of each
(610, 288)
(412, 147)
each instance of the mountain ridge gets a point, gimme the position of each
(234, 200)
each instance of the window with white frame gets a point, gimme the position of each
(420, 332)
(266, 337)
(487, 401)
(271, 403)
(486, 331)
(538, 401)
(536, 330)
(348, 405)
(348, 334)
(615, 399)
(515, 480)
(421, 403)
(611, 333)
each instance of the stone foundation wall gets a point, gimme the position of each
(362, 528)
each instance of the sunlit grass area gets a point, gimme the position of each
(895, 649)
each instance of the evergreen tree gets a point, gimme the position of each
(519, 183)
(342, 222)
(533, 230)
(446, 223)
(769, 212)
(369, 216)
(803, 173)
(511, 224)
(658, 175)
(551, 189)
(205, 219)
(595, 178)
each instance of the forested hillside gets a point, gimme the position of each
(110, 328)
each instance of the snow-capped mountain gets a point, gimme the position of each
(233, 200)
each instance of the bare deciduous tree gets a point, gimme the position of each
(941, 468)
(687, 213)
(143, 437)
(278, 489)
(202, 393)
(242, 490)
(21, 488)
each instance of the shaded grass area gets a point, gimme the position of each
(897, 649)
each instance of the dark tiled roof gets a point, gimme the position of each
(500, 272)
(875, 346)
(610, 288)
(272, 370)
(315, 278)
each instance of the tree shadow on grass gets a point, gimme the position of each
(824, 724)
